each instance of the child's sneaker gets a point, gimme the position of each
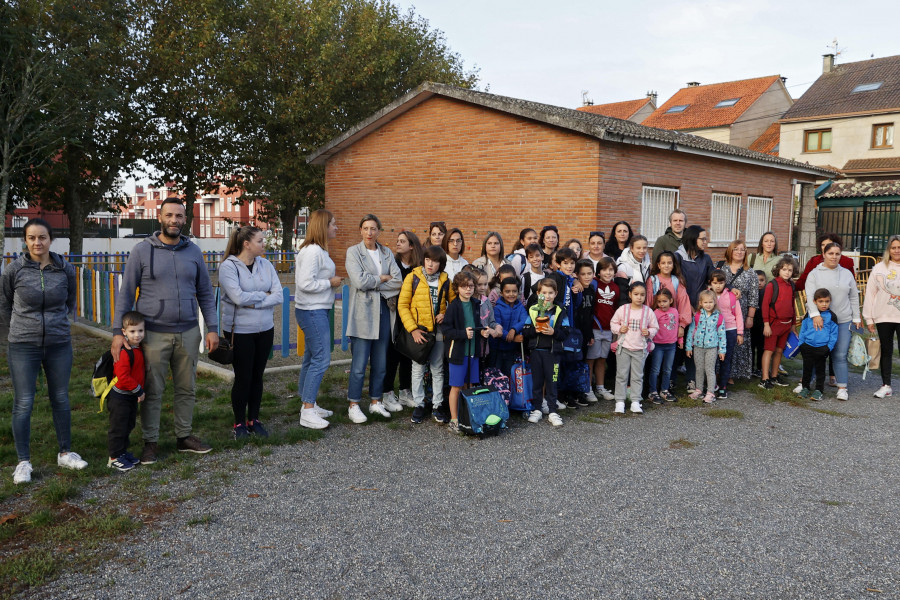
(779, 381)
(256, 428)
(356, 414)
(378, 408)
(636, 408)
(419, 415)
(583, 400)
(311, 419)
(603, 394)
(691, 386)
(766, 384)
(453, 426)
(668, 396)
(71, 460)
(406, 399)
(555, 420)
(756, 373)
(842, 394)
(620, 408)
(815, 395)
(655, 398)
(544, 408)
(722, 394)
(120, 464)
(709, 398)
(132, 459)
(22, 473)
(535, 416)
(239, 431)
(782, 370)
(695, 394)
(391, 403)
(799, 389)
(884, 391)
(440, 414)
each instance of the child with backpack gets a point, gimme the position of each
(511, 316)
(545, 342)
(730, 309)
(778, 320)
(462, 325)
(704, 341)
(816, 345)
(534, 272)
(127, 391)
(605, 305)
(636, 325)
(663, 355)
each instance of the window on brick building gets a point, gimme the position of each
(883, 135)
(724, 214)
(817, 140)
(656, 205)
(759, 218)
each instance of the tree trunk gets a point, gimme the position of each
(190, 195)
(288, 217)
(4, 199)
(73, 206)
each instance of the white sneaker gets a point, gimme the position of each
(356, 414)
(22, 473)
(322, 412)
(312, 419)
(842, 394)
(799, 388)
(620, 408)
(555, 420)
(636, 408)
(406, 399)
(544, 408)
(378, 408)
(884, 391)
(604, 393)
(71, 460)
(535, 416)
(391, 403)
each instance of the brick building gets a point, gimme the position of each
(484, 162)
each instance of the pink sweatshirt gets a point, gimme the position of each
(635, 319)
(682, 301)
(882, 303)
(732, 316)
(668, 325)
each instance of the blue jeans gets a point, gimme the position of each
(661, 360)
(362, 350)
(725, 365)
(317, 355)
(25, 362)
(839, 354)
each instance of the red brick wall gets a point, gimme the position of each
(480, 170)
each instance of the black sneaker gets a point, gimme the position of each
(131, 458)
(148, 455)
(780, 381)
(239, 431)
(256, 428)
(440, 415)
(192, 444)
(722, 394)
(582, 400)
(668, 396)
(655, 398)
(571, 402)
(756, 373)
(418, 415)
(766, 384)
(120, 464)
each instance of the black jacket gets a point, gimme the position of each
(454, 329)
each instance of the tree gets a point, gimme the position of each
(306, 70)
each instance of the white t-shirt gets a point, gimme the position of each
(376, 258)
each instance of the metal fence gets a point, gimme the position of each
(114, 262)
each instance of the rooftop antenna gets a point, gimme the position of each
(835, 49)
(585, 101)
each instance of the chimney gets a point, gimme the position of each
(652, 96)
(827, 63)
(693, 84)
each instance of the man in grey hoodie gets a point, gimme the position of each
(173, 280)
(671, 239)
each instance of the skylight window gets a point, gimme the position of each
(867, 87)
(726, 103)
(677, 109)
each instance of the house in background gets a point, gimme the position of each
(846, 121)
(485, 162)
(735, 112)
(635, 111)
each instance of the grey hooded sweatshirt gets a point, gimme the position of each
(173, 280)
(35, 303)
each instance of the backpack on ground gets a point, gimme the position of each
(482, 411)
(575, 377)
(521, 389)
(857, 355)
(104, 377)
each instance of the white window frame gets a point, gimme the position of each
(760, 223)
(657, 203)
(724, 217)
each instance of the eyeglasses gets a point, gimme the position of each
(702, 239)
(455, 241)
(468, 286)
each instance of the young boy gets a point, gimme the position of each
(535, 271)
(546, 347)
(756, 334)
(607, 301)
(583, 320)
(510, 314)
(778, 319)
(817, 340)
(127, 391)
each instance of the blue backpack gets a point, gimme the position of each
(482, 411)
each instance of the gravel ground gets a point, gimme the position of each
(784, 503)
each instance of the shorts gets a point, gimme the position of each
(466, 372)
(600, 347)
(778, 339)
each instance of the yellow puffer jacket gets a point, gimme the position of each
(415, 309)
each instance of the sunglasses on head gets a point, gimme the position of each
(593, 233)
(437, 224)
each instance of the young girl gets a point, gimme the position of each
(460, 326)
(518, 258)
(636, 324)
(733, 317)
(491, 258)
(705, 340)
(663, 354)
(575, 246)
(535, 271)
(778, 319)
(408, 256)
(604, 307)
(504, 272)
(634, 263)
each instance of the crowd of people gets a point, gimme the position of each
(616, 320)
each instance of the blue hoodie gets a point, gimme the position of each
(509, 317)
(827, 336)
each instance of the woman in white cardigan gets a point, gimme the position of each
(374, 278)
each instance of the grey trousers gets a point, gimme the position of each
(630, 361)
(162, 351)
(705, 361)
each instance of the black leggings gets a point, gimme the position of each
(251, 353)
(886, 334)
(397, 362)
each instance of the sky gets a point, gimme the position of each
(553, 51)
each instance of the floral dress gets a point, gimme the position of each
(747, 282)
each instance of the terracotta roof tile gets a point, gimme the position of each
(701, 101)
(863, 189)
(832, 93)
(873, 164)
(618, 110)
(768, 141)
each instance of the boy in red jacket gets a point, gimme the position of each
(778, 319)
(127, 390)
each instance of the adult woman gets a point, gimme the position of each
(844, 308)
(491, 258)
(766, 255)
(436, 232)
(374, 278)
(881, 309)
(549, 242)
(518, 259)
(408, 256)
(454, 244)
(313, 298)
(619, 237)
(37, 293)
(633, 264)
(743, 281)
(822, 241)
(252, 290)
(596, 242)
